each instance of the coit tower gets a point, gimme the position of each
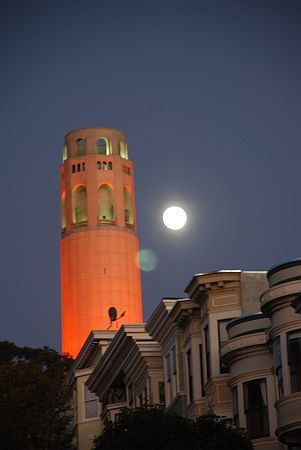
(100, 277)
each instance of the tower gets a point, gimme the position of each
(100, 278)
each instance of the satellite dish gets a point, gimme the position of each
(112, 313)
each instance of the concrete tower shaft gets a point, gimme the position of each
(99, 246)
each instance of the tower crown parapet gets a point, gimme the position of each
(98, 141)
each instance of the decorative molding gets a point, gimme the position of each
(252, 354)
(245, 347)
(224, 300)
(280, 293)
(284, 328)
(253, 375)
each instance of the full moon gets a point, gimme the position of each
(174, 218)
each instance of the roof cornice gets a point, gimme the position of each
(88, 349)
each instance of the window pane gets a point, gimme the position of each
(190, 375)
(294, 359)
(256, 409)
(90, 404)
(168, 365)
(128, 213)
(91, 409)
(174, 360)
(123, 149)
(89, 395)
(222, 332)
(161, 392)
(277, 353)
(278, 366)
(105, 203)
(207, 349)
(79, 205)
(235, 406)
(102, 147)
(202, 370)
(81, 147)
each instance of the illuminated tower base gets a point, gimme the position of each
(100, 277)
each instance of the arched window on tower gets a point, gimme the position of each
(65, 153)
(103, 146)
(123, 150)
(79, 205)
(128, 211)
(105, 203)
(80, 147)
(63, 211)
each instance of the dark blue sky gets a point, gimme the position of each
(208, 94)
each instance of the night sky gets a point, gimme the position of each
(208, 95)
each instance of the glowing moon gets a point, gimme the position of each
(174, 218)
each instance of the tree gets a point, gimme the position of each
(150, 428)
(212, 432)
(35, 400)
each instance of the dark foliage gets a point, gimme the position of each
(34, 399)
(152, 428)
(215, 433)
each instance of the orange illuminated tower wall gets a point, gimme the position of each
(99, 246)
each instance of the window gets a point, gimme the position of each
(202, 370)
(278, 367)
(294, 359)
(126, 170)
(190, 375)
(128, 213)
(104, 165)
(145, 397)
(105, 203)
(207, 350)
(235, 407)
(256, 408)
(222, 338)
(122, 148)
(110, 166)
(98, 165)
(130, 394)
(63, 210)
(168, 367)
(65, 153)
(161, 387)
(79, 205)
(73, 168)
(84, 166)
(78, 167)
(140, 400)
(90, 404)
(81, 147)
(173, 360)
(103, 146)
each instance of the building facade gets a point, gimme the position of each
(130, 374)
(86, 407)
(231, 347)
(285, 340)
